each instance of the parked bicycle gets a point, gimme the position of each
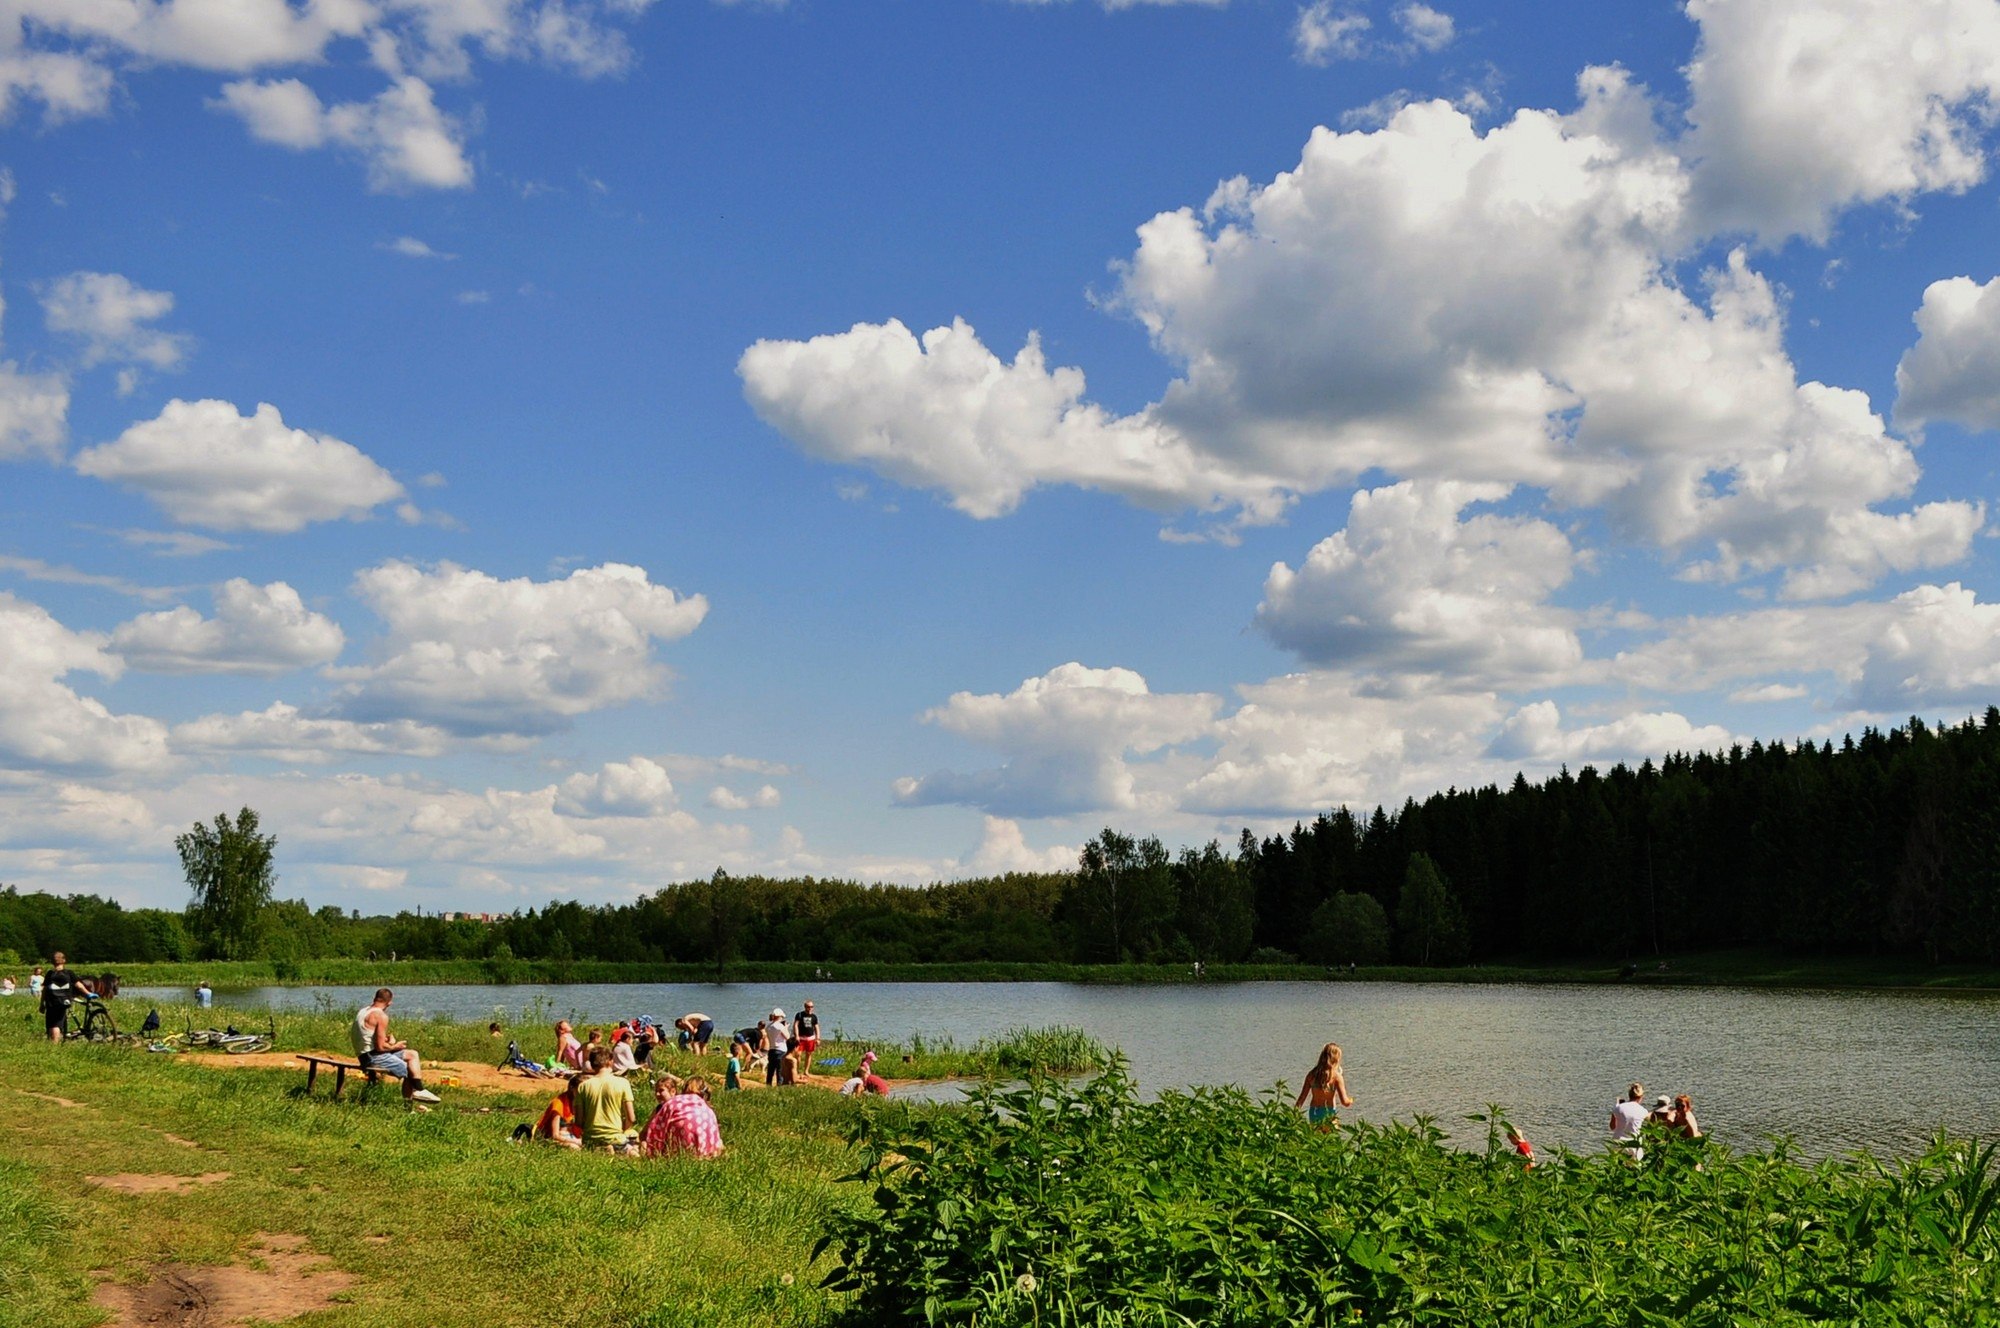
(230, 1039)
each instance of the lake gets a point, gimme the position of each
(1835, 1070)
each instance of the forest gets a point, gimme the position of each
(1885, 844)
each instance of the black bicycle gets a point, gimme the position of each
(88, 1019)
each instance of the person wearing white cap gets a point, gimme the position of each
(777, 1041)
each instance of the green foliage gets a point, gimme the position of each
(1349, 928)
(1428, 920)
(1081, 1205)
(228, 869)
(1120, 904)
(1215, 912)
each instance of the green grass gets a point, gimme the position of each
(483, 1232)
(1751, 968)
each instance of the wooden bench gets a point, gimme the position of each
(339, 1068)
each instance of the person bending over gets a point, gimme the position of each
(696, 1029)
(605, 1114)
(865, 1082)
(377, 1050)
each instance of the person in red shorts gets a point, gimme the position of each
(805, 1035)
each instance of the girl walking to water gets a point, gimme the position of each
(1324, 1092)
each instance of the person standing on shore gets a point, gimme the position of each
(58, 990)
(35, 983)
(777, 1041)
(1324, 1092)
(805, 1032)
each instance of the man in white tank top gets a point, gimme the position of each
(377, 1051)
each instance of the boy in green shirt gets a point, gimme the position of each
(605, 1114)
(732, 1073)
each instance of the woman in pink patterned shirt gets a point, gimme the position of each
(684, 1123)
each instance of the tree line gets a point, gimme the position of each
(1885, 844)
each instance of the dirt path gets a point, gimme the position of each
(283, 1279)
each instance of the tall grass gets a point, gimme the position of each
(1080, 1205)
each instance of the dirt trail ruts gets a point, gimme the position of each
(291, 1281)
(134, 1182)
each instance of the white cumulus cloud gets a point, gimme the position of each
(1534, 734)
(1323, 33)
(1953, 372)
(1065, 736)
(1411, 586)
(401, 136)
(943, 412)
(282, 732)
(113, 319)
(44, 723)
(638, 787)
(724, 798)
(479, 655)
(206, 465)
(1434, 302)
(1802, 108)
(256, 629)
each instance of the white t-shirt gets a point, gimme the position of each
(777, 1037)
(1626, 1119)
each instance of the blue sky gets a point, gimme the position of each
(551, 448)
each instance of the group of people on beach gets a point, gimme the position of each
(597, 1106)
(597, 1109)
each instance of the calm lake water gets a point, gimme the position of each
(1835, 1070)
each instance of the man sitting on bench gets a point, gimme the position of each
(379, 1052)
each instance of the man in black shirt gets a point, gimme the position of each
(805, 1031)
(58, 990)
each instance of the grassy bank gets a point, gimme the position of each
(437, 1218)
(1746, 968)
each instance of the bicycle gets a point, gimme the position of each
(94, 1023)
(229, 1039)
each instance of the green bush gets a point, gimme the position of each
(1349, 928)
(1080, 1205)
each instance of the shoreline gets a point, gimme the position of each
(465, 1076)
(1728, 969)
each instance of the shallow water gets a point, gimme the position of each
(1836, 1070)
